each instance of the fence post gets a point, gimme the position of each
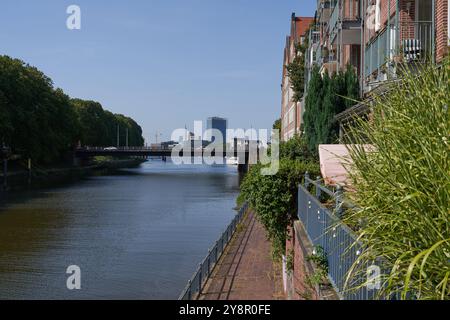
(217, 249)
(200, 279)
(209, 261)
(306, 180)
(190, 290)
(318, 191)
(339, 195)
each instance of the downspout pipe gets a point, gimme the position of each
(433, 30)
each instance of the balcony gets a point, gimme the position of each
(405, 43)
(332, 25)
(346, 22)
(323, 11)
(329, 64)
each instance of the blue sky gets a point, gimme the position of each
(165, 63)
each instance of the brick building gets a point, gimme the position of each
(398, 32)
(291, 110)
(373, 36)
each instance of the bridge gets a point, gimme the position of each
(146, 152)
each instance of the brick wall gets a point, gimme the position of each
(351, 9)
(407, 17)
(441, 29)
(298, 287)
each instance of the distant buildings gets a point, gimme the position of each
(219, 124)
(372, 36)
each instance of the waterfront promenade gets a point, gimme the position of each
(246, 270)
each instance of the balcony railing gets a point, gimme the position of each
(334, 18)
(319, 55)
(406, 42)
(416, 41)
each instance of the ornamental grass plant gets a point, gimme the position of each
(403, 184)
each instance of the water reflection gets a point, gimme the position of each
(137, 234)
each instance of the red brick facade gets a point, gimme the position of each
(290, 110)
(298, 287)
(407, 16)
(441, 29)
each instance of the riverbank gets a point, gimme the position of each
(246, 270)
(40, 176)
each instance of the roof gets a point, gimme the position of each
(302, 25)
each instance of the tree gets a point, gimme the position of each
(43, 123)
(296, 71)
(327, 96)
(277, 125)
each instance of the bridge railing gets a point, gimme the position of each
(197, 282)
(88, 148)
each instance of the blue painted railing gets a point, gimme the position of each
(326, 230)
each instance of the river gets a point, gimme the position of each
(135, 234)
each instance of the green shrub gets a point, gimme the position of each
(274, 198)
(296, 148)
(403, 184)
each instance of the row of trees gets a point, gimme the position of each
(43, 123)
(327, 96)
(99, 126)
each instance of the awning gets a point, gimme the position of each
(334, 162)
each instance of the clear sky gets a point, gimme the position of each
(165, 63)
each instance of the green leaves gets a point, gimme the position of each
(274, 198)
(326, 97)
(404, 186)
(41, 122)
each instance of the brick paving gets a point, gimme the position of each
(246, 270)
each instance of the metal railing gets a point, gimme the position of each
(326, 230)
(407, 42)
(197, 282)
(152, 148)
(334, 18)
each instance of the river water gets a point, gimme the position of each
(136, 234)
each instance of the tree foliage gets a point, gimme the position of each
(274, 198)
(296, 71)
(296, 148)
(43, 123)
(99, 127)
(277, 125)
(327, 96)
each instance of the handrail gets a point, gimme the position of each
(341, 244)
(337, 195)
(198, 280)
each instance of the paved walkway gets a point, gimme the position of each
(246, 270)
